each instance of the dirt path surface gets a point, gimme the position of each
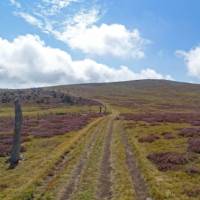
(60, 165)
(139, 184)
(104, 179)
(79, 168)
(105, 184)
(54, 172)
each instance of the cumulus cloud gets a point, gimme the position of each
(27, 61)
(113, 39)
(192, 60)
(82, 31)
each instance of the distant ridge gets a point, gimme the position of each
(142, 82)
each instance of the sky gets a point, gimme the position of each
(52, 42)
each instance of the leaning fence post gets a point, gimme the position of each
(15, 152)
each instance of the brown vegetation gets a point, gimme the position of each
(170, 160)
(168, 135)
(194, 145)
(193, 170)
(190, 132)
(42, 126)
(195, 192)
(149, 139)
(163, 117)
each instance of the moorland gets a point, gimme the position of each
(134, 140)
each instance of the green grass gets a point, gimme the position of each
(163, 185)
(58, 184)
(41, 156)
(88, 185)
(7, 111)
(129, 97)
(122, 183)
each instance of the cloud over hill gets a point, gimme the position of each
(27, 61)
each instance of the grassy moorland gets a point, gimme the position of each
(147, 145)
(162, 122)
(42, 149)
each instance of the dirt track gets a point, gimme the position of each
(104, 186)
(105, 183)
(61, 165)
(75, 177)
(139, 184)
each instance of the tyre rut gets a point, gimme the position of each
(75, 177)
(105, 184)
(139, 184)
(55, 171)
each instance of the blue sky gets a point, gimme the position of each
(75, 41)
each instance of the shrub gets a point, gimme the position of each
(194, 145)
(149, 139)
(170, 160)
(168, 135)
(190, 132)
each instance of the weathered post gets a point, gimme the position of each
(100, 109)
(15, 152)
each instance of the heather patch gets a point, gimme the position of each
(170, 160)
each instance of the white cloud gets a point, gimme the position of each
(55, 6)
(192, 60)
(15, 3)
(30, 19)
(47, 7)
(82, 31)
(34, 21)
(113, 39)
(27, 61)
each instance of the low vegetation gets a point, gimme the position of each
(146, 144)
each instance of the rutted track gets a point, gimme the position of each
(105, 184)
(122, 185)
(60, 165)
(103, 131)
(139, 184)
(88, 184)
(79, 168)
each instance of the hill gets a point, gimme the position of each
(147, 93)
(118, 141)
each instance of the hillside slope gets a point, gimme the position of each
(146, 146)
(147, 93)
